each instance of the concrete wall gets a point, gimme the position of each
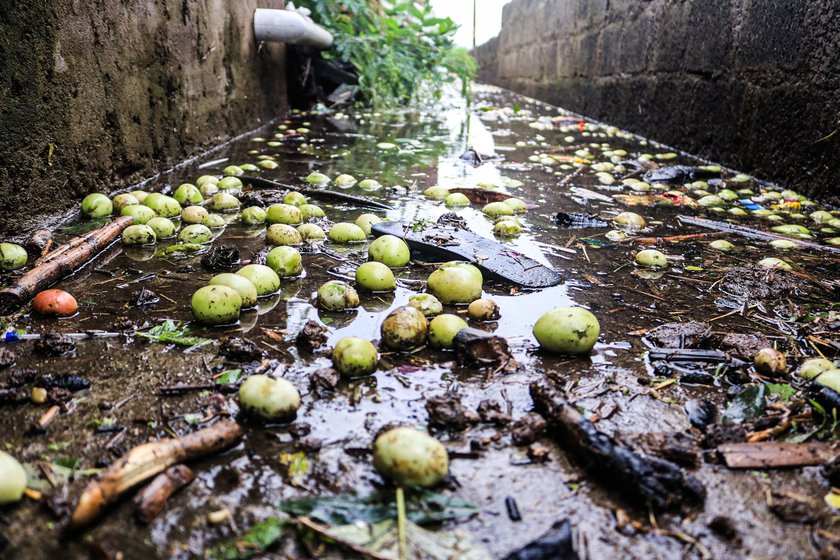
(122, 89)
(750, 83)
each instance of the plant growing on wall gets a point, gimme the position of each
(396, 47)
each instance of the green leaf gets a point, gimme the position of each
(229, 377)
(750, 403)
(297, 465)
(783, 390)
(382, 538)
(424, 506)
(84, 227)
(258, 538)
(171, 332)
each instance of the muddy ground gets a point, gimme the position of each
(130, 399)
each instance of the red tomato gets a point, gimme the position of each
(55, 302)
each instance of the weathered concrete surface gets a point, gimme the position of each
(122, 89)
(752, 84)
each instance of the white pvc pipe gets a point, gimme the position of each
(289, 27)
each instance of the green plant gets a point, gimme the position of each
(396, 47)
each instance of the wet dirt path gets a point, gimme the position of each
(545, 157)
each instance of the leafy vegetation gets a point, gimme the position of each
(172, 332)
(396, 47)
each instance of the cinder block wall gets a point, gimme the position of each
(122, 89)
(750, 83)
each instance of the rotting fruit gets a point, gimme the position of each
(443, 328)
(652, 258)
(194, 214)
(567, 330)
(196, 233)
(428, 304)
(269, 398)
(770, 362)
(283, 214)
(164, 228)
(813, 367)
(630, 220)
(390, 251)
(139, 213)
(375, 277)
(138, 235)
(404, 329)
(344, 232)
(57, 303)
(12, 256)
(337, 295)
(311, 232)
(365, 221)
(409, 457)
(282, 234)
(216, 305)
(97, 205)
(12, 479)
(244, 287)
(353, 357)
(484, 310)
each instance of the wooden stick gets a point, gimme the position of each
(767, 455)
(751, 233)
(62, 262)
(147, 460)
(151, 500)
(676, 238)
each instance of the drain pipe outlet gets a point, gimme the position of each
(289, 26)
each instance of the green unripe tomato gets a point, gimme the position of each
(567, 330)
(253, 215)
(233, 171)
(390, 251)
(122, 200)
(12, 479)
(12, 256)
(262, 277)
(721, 245)
(269, 398)
(316, 178)
(408, 457)
(336, 295)
(495, 209)
(140, 214)
(283, 214)
(455, 200)
(194, 214)
(404, 328)
(443, 328)
(629, 220)
(196, 233)
(428, 304)
(138, 235)
(285, 261)
(344, 232)
(241, 285)
(344, 181)
(216, 305)
(206, 180)
(97, 205)
(294, 198)
(311, 211)
(223, 202)
(187, 193)
(214, 221)
(773, 262)
(353, 357)
(163, 227)
(370, 185)
(375, 277)
(770, 362)
(139, 195)
(484, 310)
(456, 282)
(437, 193)
(164, 206)
(365, 221)
(652, 258)
(813, 367)
(282, 234)
(311, 232)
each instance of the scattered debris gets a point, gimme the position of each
(556, 544)
(151, 500)
(774, 455)
(474, 347)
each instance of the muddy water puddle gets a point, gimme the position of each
(143, 390)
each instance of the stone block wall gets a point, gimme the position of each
(122, 89)
(750, 83)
